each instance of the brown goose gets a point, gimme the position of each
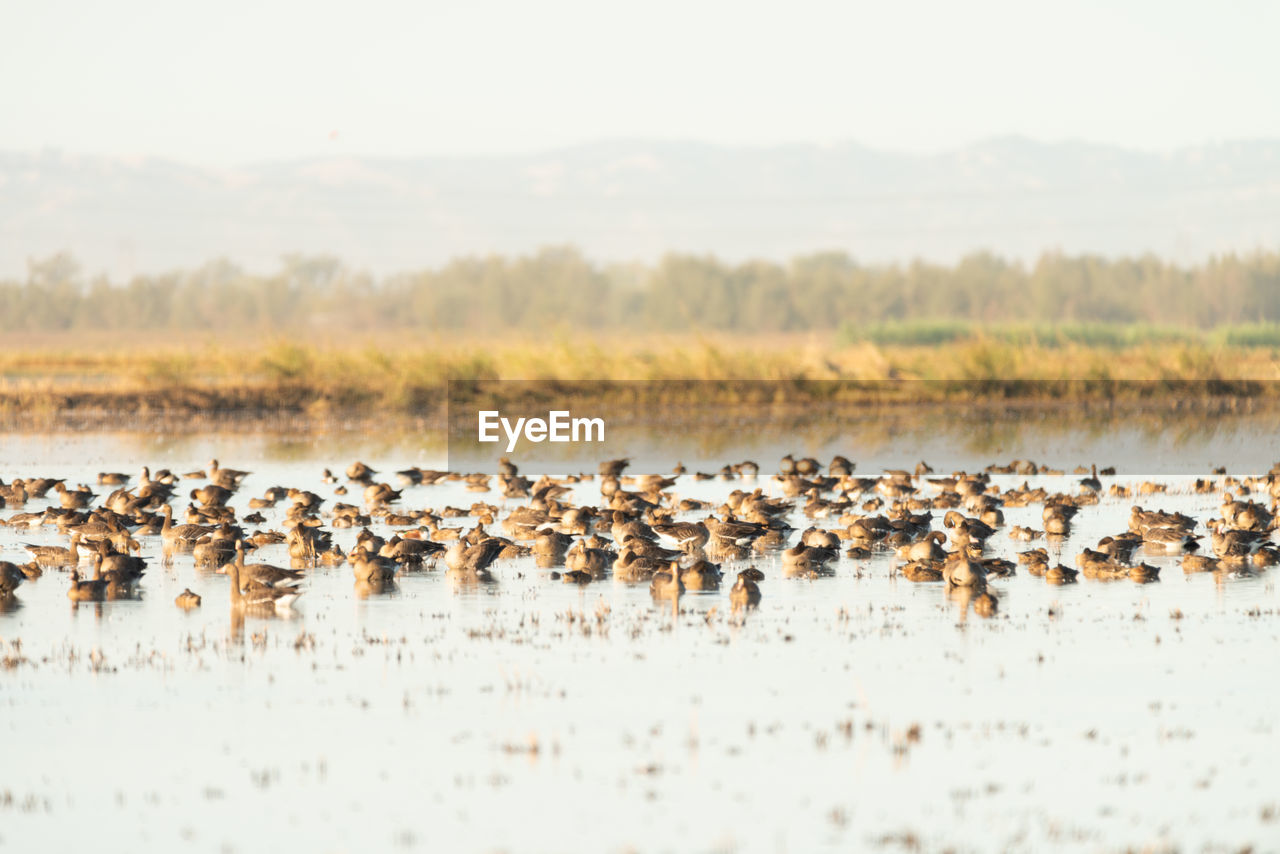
(410, 550)
(181, 536)
(702, 575)
(13, 495)
(124, 566)
(262, 574)
(630, 566)
(10, 577)
(667, 585)
(259, 596)
(805, 560)
(551, 544)
(187, 600)
(213, 550)
(227, 478)
(88, 590)
(53, 556)
(746, 591)
(963, 572)
(73, 499)
(582, 558)
(472, 563)
(372, 570)
(688, 536)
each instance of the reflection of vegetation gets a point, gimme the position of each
(1138, 436)
(1058, 301)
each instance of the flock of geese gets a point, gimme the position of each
(640, 530)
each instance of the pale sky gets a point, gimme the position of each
(234, 81)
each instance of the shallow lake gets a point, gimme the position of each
(846, 712)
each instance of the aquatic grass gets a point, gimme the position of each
(937, 332)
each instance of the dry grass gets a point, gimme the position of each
(406, 374)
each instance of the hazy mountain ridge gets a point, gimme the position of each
(624, 200)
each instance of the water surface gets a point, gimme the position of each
(856, 711)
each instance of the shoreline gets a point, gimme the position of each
(299, 408)
(290, 381)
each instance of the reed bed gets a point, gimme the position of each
(401, 375)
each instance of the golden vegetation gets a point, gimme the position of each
(398, 375)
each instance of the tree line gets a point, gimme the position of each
(559, 288)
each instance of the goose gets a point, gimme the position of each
(410, 550)
(1233, 543)
(667, 585)
(632, 567)
(624, 526)
(211, 551)
(595, 561)
(473, 561)
(975, 529)
(261, 574)
(1140, 520)
(124, 566)
(180, 536)
(920, 571)
(56, 556)
(1121, 546)
(551, 544)
(962, 572)
(820, 539)
(930, 548)
(211, 495)
(378, 494)
(359, 472)
(187, 600)
(1060, 575)
(1144, 572)
(802, 559)
(1200, 563)
(149, 489)
(259, 596)
(614, 468)
(732, 531)
(1093, 562)
(10, 577)
(227, 478)
(372, 570)
(688, 536)
(650, 549)
(745, 592)
(88, 590)
(1168, 540)
(702, 575)
(13, 495)
(1245, 515)
(73, 499)
(1057, 518)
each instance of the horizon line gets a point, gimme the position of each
(544, 151)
